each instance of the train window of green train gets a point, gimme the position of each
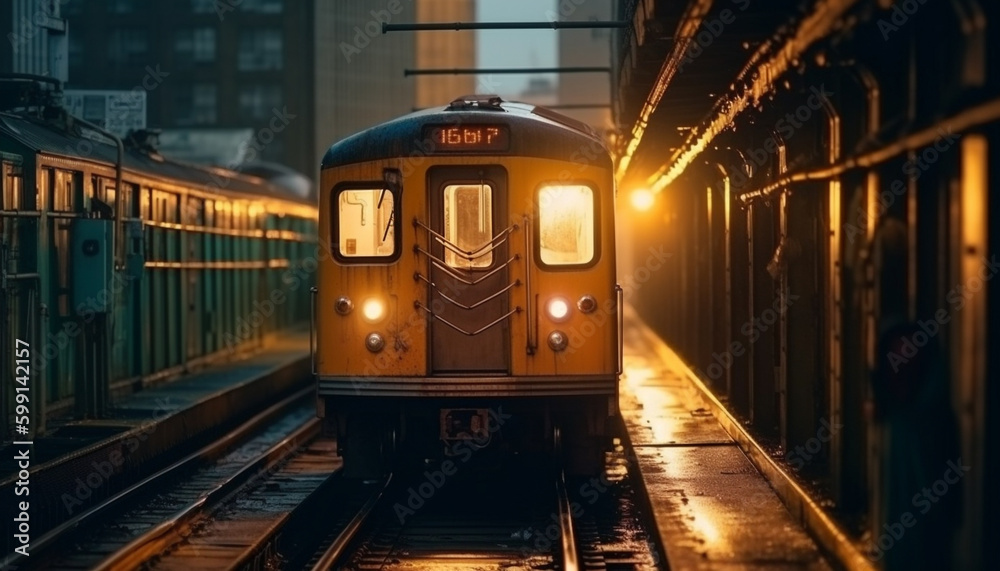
(13, 187)
(468, 224)
(366, 223)
(566, 228)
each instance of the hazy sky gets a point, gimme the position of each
(514, 48)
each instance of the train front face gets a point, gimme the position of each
(469, 298)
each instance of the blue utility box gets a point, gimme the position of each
(92, 262)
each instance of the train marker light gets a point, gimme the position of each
(558, 341)
(373, 309)
(558, 309)
(587, 304)
(343, 305)
(642, 199)
(374, 342)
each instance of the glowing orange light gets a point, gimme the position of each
(642, 199)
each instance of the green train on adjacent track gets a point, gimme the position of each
(121, 268)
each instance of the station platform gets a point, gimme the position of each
(717, 499)
(78, 463)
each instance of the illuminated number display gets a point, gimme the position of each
(458, 138)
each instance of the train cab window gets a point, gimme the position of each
(366, 223)
(468, 225)
(566, 228)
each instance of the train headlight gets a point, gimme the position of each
(557, 308)
(374, 342)
(373, 309)
(587, 304)
(558, 341)
(343, 305)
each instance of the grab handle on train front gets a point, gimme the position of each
(620, 308)
(312, 327)
(532, 310)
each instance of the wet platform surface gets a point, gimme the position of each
(712, 508)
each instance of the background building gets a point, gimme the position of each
(36, 37)
(579, 48)
(444, 49)
(210, 70)
(350, 46)
(297, 75)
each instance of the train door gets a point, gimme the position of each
(468, 270)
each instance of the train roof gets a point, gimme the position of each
(46, 138)
(534, 131)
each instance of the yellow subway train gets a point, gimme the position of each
(468, 300)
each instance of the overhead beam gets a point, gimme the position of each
(499, 70)
(764, 69)
(690, 22)
(553, 25)
(579, 106)
(553, 106)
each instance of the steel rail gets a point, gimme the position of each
(345, 537)
(159, 538)
(567, 534)
(102, 510)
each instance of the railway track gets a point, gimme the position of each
(514, 519)
(457, 528)
(140, 522)
(270, 496)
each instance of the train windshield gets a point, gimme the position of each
(468, 225)
(566, 231)
(365, 223)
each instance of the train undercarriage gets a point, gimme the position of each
(377, 435)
